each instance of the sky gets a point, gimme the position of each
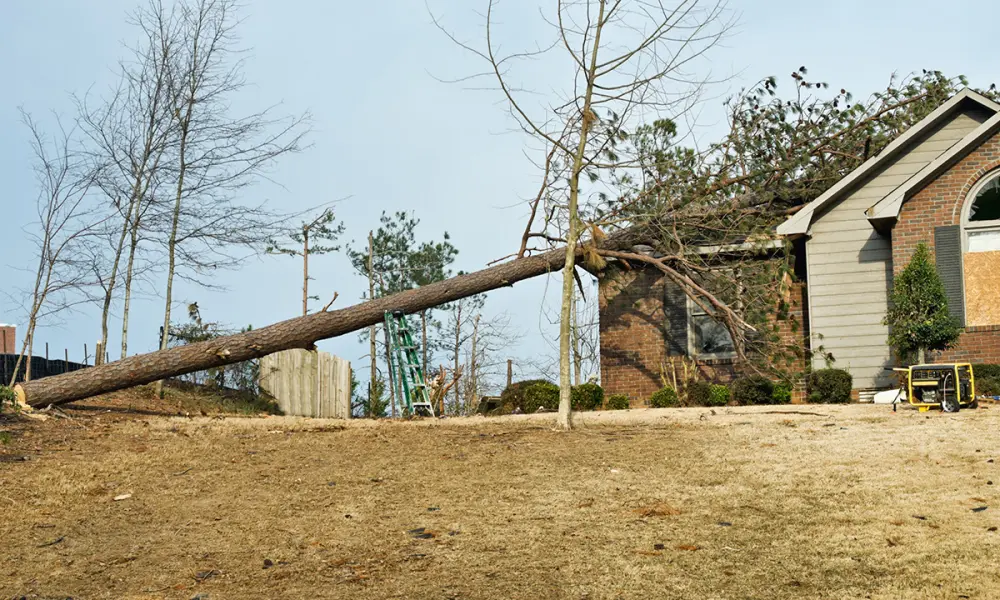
(389, 134)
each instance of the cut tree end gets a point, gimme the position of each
(21, 400)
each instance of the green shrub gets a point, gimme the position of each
(830, 386)
(541, 394)
(587, 396)
(7, 396)
(513, 397)
(782, 393)
(719, 395)
(752, 390)
(664, 398)
(617, 402)
(988, 386)
(699, 393)
(986, 371)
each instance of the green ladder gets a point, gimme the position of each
(403, 352)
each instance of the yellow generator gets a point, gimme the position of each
(950, 386)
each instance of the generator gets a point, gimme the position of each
(950, 386)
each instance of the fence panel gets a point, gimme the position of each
(308, 384)
(40, 367)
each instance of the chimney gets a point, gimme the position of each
(8, 339)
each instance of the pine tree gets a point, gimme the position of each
(918, 319)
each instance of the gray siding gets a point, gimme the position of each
(849, 265)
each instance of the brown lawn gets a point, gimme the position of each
(770, 503)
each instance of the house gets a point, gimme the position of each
(938, 183)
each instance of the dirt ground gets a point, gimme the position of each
(760, 502)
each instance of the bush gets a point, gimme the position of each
(830, 386)
(699, 393)
(754, 389)
(988, 386)
(782, 393)
(617, 402)
(513, 397)
(541, 394)
(719, 395)
(587, 396)
(664, 398)
(7, 396)
(986, 371)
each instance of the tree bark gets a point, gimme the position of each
(373, 350)
(305, 271)
(300, 332)
(129, 271)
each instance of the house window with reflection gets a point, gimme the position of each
(707, 337)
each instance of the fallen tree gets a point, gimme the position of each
(301, 332)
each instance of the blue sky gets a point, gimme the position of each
(391, 136)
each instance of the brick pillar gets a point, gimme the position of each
(8, 339)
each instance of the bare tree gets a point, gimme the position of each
(130, 133)
(216, 154)
(314, 232)
(627, 59)
(66, 218)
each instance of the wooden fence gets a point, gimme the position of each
(308, 384)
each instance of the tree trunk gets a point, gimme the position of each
(109, 294)
(921, 355)
(458, 341)
(398, 385)
(563, 420)
(129, 270)
(373, 350)
(473, 368)
(305, 271)
(423, 340)
(300, 332)
(577, 359)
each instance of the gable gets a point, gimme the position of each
(912, 151)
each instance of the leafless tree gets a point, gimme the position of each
(216, 155)
(66, 217)
(628, 60)
(131, 133)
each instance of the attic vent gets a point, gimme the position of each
(948, 257)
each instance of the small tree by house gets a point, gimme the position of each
(918, 319)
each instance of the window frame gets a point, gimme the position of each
(695, 311)
(978, 226)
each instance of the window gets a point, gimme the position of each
(707, 337)
(981, 220)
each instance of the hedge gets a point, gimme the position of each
(617, 402)
(782, 393)
(517, 396)
(752, 390)
(830, 386)
(587, 396)
(699, 393)
(719, 395)
(664, 398)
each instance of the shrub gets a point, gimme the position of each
(540, 394)
(7, 396)
(699, 393)
(513, 396)
(617, 402)
(719, 395)
(754, 389)
(664, 398)
(986, 371)
(782, 393)
(587, 396)
(988, 386)
(830, 386)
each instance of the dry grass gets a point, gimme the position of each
(850, 502)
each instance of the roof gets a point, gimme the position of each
(799, 223)
(887, 209)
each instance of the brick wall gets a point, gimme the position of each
(634, 336)
(940, 203)
(8, 339)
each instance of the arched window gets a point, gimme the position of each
(981, 217)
